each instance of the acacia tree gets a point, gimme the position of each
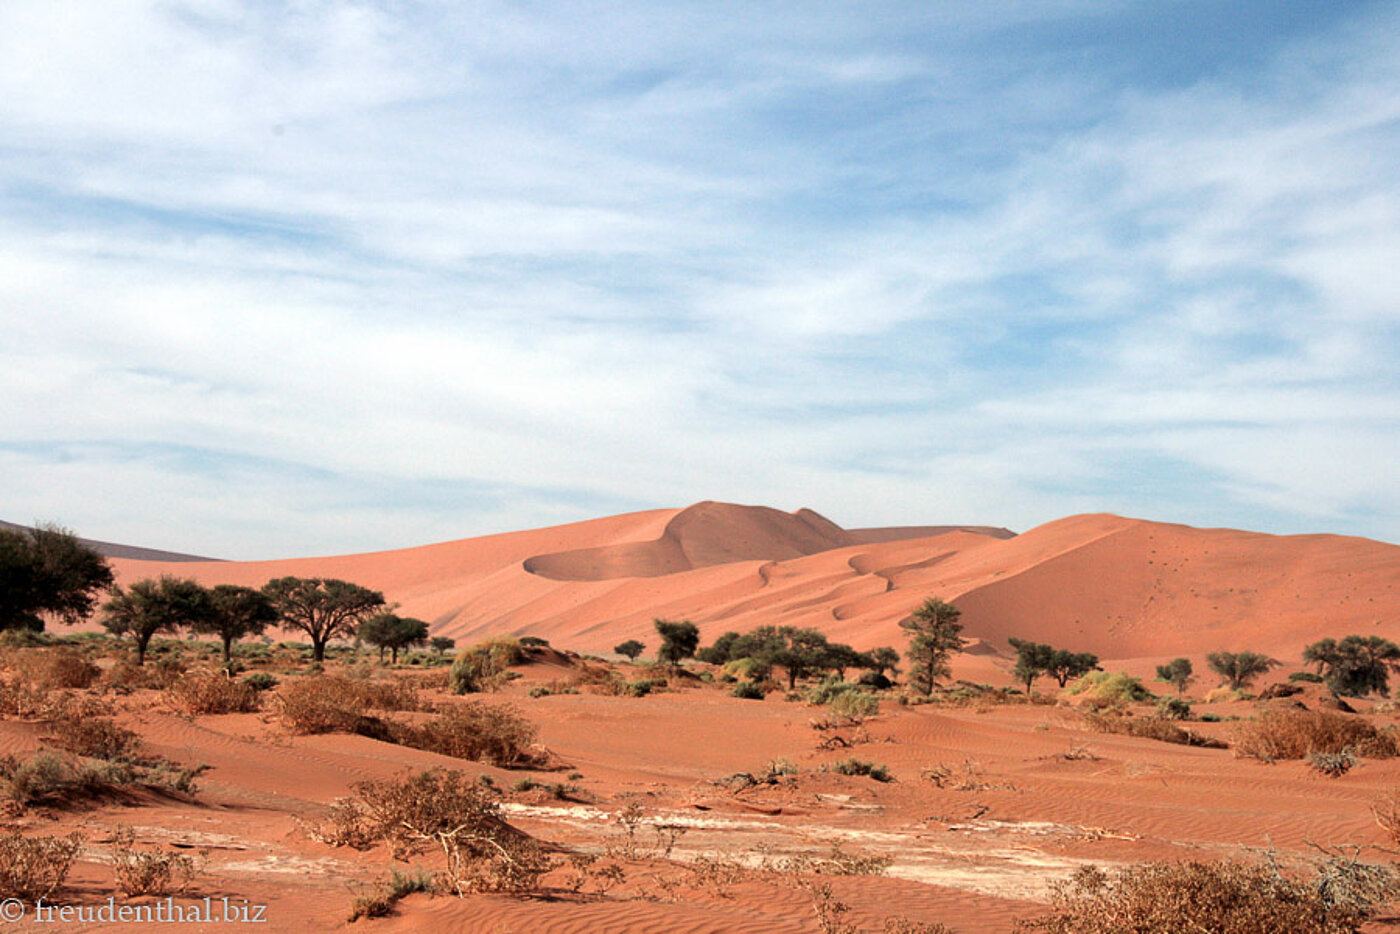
(324, 608)
(152, 606)
(934, 635)
(440, 644)
(1032, 660)
(48, 570)
(1065, 664)
(1357, 665)
(679, 639)
(631, 648)
(1239, 668)
(1177, 672)
(235, 613)
(392, 632)
(883, 659)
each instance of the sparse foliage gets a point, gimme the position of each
(1239, 669)
(679, 640)
(630, 649)
(323, 608)
(235, 613)
(1357, 665)
(47, 570)
(1178, 673)
(150, 606)
(934, 635)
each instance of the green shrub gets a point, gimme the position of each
(1307, 677)
(1108, 688)
(482, 667)
(1173, 708)
(747, 690)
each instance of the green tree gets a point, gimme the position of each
(323, 608)
(631, 648)
(1357, 665)
(46, 570)
(152, 606)
(393, 632)
(235, 613)
(1178, 671)
(1065, 664)
(1033, 659)
(839, 656)
(721, 650)
(884, 659)
(679, 640)
(934, 635)
(1239, 668)
(440, 644)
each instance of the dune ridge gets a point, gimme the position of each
(1123, 588)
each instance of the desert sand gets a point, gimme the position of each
(990, 803)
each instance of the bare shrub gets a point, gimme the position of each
(318, 705)
(854, 766)
(1224, 897)
(211, 692)
(96, 738)
(1386, 810)
(450, 812)
(24, 782)
(1294, 734)
(57, 667)
(387, 893)
(1158, 728)
(475, 730)
(143, 871)
(1332, 764)
(32, 868)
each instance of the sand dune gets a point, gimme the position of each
(1124, 588)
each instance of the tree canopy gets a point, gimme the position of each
(934, 635)
(1238, 669)
(1177, 672)
(323, 608)
(679, 639)
(150, 606)
(236, 613)
(631, 649)
(393, 632)
(47, 570)
(1357, 665)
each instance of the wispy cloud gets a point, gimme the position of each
(279, 279)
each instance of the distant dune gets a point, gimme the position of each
(126, 551)
(1123, 588)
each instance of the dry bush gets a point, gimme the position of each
(39, 778)
(381, 901)
(837, 862)
(149, 872)
(1386, 810)
(1295, 734)
(127, 676)
(318, 705)
(345, 823)
(450, 812)
(209, 692)
(392, 694)
(55, 667)
(32, 868)
(475, 730)
(1221, 897)
(1164, 731)
(95, 738)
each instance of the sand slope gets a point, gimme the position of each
(1124, 588)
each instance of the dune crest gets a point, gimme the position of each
(701, 536)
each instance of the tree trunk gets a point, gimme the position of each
(318, 650)
(141, 643)
(228, 649)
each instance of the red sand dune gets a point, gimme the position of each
(1123, 588)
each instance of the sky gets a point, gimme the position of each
(296, 278)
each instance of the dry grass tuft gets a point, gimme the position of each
(1158, 728)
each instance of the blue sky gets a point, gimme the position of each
(295, 278)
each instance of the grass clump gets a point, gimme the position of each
(1163, 731)
(1224, 897)
(380, 902)
(1296, 734)
(747, 690)
(482, 667)
(32, 868)
(1108, 689)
